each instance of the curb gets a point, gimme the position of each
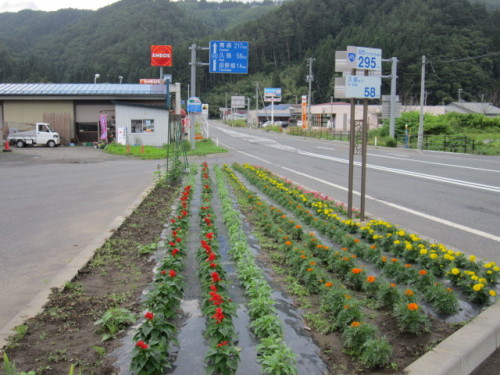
(464, 350)
(68, 273)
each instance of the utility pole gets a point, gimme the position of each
(392, 109)
(309, 79)
(421, 120)
(257, 102)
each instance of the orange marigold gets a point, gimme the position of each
(347, 296)
(356, 240)
(384, 259)
(344, 248)
(347, 307)
(313, 263)
(309, 270)
(422, 272)
(298, 226)
(373, 247)
(449, 290)
(394, 260)
(408, 265)
(356, 270)
(328, 285)
(355, 324)
(412, 306)
(288, 243)
(392, 285)
(345, 258)
(371, 279)
(409, 293)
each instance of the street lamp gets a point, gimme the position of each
(96, 77)
(121, 79)
(460, 95)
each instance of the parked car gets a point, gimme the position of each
(38, 134)
(283, 124)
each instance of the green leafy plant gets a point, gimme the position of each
(10, 368)
(222, 359)
(356, 333)
(376, 352)
(113, 321)
(410, 318)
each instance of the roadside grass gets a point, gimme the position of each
(202, 147)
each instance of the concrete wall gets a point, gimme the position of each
(125, 115)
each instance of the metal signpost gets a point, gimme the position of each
(272, 94)
(368, 61)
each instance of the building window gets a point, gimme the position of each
(143, 126)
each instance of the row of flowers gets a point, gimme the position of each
(470, 275)
(344, 312)
(275, 356)
(222, 356)
(157, 332)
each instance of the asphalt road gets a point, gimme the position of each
(53, 203)
(453, 199)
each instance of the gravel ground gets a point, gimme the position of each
(44, 155)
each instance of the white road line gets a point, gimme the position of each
(406, 209)
(393, 205)
(435, 163)
(326, 148)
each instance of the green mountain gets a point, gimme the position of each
(459, 38)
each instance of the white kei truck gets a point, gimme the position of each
(40, 134)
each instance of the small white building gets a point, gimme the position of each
(486, 109)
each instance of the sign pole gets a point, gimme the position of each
(364, 141)
(193, 93)
(351, 156)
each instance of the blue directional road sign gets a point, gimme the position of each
(228, 57)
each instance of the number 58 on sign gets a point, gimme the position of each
(363, 87)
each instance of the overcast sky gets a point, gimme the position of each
(49, 5)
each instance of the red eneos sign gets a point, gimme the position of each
(161, 55)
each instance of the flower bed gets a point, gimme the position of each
(335, 277)
(156, 333)
(423, 262)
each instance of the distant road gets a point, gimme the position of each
(452, 198)
(54, 202)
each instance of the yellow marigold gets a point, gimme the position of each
(482, 280)
(397, 242)
(412, 306)
(472, 258)
(474, 277)
(355, 324)
(433, 256)
(492, 293)
(455, 271)
(423, 252)
(478, 287)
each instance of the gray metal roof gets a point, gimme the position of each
(63, 89)
(482, 108)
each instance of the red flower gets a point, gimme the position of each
(175, 251)
(207, 220)
(211, 257)
(172, 221)
(178, 239)
(209, 235)
(223, 343)
(216, 298)
(172, 273)
(218, 316)
(213, 288)
(215, 277)
(149, 315)
(174, 233)
(141, 344)
(163, 272)
(213, 265)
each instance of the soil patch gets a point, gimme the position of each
(64, 333)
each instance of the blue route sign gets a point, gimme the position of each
(194, 105)
(228, 57)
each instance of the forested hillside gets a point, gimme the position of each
(460, 39)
